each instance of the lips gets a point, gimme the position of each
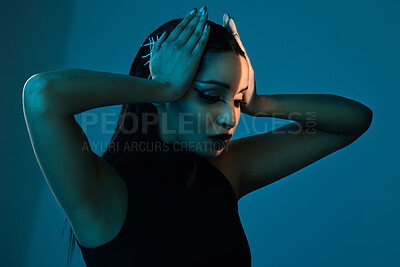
(222, 137)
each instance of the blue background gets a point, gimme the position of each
(342, 210)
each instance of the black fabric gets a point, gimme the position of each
(182, 211)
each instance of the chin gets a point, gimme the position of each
(206, 149)
(210, 153)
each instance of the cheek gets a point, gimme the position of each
(238, 113)
(190, 115)
(201, 118)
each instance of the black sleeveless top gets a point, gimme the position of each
(182, 211)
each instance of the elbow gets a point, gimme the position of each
(34, 94)
(368, 119)
(364, 120)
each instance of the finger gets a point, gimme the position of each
(158, 44)
(201, 45)
(240, 44)
(232, 26)
(190, 29)
(182, 25)
(235, 33)
(194, 39)
(225, 20)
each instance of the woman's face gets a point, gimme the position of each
(209, 107)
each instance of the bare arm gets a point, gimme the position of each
(72, 91)
(87, 188)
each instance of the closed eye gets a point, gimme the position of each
(215, 99)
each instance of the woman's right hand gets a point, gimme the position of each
(175, 59)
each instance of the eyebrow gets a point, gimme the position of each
(221, 84)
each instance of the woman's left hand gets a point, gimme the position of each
(250, 96)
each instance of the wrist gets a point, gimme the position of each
(166, 92)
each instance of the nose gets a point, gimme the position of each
(227, 118)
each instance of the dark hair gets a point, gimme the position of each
(220, 40)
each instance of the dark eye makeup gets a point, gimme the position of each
(215, 99)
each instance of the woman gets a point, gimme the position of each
(165, 192)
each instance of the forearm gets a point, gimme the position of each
(326, 112)
(72, 91)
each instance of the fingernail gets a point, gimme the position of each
(228, 15)
(203, 9)
(193, 10)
